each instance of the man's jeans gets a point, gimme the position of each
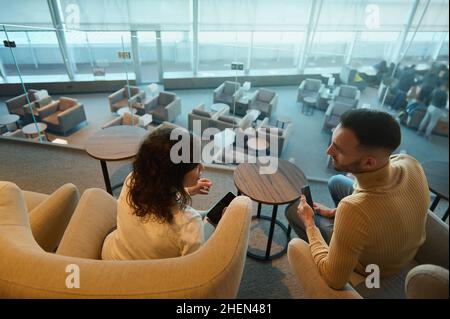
(339, 187)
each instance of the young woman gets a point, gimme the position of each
(153, 217)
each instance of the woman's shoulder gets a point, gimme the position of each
(186, 215)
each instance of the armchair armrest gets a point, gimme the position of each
(151, 104)
(358, 95)
(93, 219)
(219, 90)
(173, 109)
(238, 94)
(305, 269)
(427, 282)
(48, 109)
(302, 85)
(114, 122)
(253, 97)
(273, 103)
(49, 219)
(116, 96)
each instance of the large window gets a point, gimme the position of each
(96, 53)
(148, 56)
(329, 49)
(176, 51)
(218, 49)
(422, 47)
(372, 47)
(276, 50)
(37, 53)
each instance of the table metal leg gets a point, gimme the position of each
(106, 176)
(435, 203)
(272, 227)
(258, 214)
(444, 218)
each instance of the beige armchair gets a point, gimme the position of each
(121, 99)
(265, 101)
(47, 215)
(228, 92)
(63, 115)
(347, 94)
(214, 271)
(165, 106)
(426, 277)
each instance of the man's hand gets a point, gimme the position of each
(324, 211)
(305, 213)
(203, 186)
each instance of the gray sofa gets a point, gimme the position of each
(63, 115)
(425, 277)
(228, 93)
(165, 106)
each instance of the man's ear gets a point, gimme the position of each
(369, 163)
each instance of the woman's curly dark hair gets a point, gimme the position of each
(156, 184)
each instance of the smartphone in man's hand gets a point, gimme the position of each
(307, 192)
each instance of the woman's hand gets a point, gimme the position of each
(305, 213)
(203, 187)
(324, 211)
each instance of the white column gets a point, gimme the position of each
(401, 43)
(136, 59)
(194, 60)
(159, 56)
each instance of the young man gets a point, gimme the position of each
(380, 218)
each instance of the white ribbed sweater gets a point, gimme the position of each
(382, 223)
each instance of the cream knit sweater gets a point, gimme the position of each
(382, 223)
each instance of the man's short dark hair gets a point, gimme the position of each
(373, 128)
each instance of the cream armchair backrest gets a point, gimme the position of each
(26, 271)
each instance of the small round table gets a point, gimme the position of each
(283, 121)
(126, 109)
(30, 130)
(257, 144)
(282, 187)
(308, 105)
(437, 177)
(8, 120)
(114, 143)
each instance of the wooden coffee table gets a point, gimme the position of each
(114, 143)
(283, 187)
(437, 176)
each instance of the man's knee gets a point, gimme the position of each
(333, 183)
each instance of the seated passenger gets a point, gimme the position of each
(153, 217)
(380, 218)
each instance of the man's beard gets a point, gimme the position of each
(354, 167)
